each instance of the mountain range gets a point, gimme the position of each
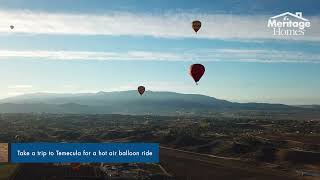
(129, 102)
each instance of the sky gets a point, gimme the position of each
(80, 46)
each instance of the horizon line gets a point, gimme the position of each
(96, 92)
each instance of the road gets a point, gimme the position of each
(201, 154)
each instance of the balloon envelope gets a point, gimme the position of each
(196, 25)
(11, 26)
(196, 71)
(17, 137)
(141, 90)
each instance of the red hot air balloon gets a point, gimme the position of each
(196, 71)
(196, 25)
(141, 90)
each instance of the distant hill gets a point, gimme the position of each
(310, 106)
(128, 102)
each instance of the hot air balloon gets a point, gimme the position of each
(141, 90)
(196, 71)
(11, 27)
(196, 25)
(17, 137)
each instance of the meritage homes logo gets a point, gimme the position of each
(288, 24)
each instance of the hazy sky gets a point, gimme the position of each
(88, 46)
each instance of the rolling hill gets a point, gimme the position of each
(128, 102)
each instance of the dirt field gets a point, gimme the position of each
(3, 152)
(48, 171)
(191, 166)
(6, 170)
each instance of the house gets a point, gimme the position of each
(286, 16)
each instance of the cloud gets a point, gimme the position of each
(88, 55)
(20, 86)
(19, 89)
(167, 25)
(14, 94)
(199, 55)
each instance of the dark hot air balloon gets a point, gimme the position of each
(196, 71)
(17, 137)
(141, 90)
(11, 27)
(196, 25)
